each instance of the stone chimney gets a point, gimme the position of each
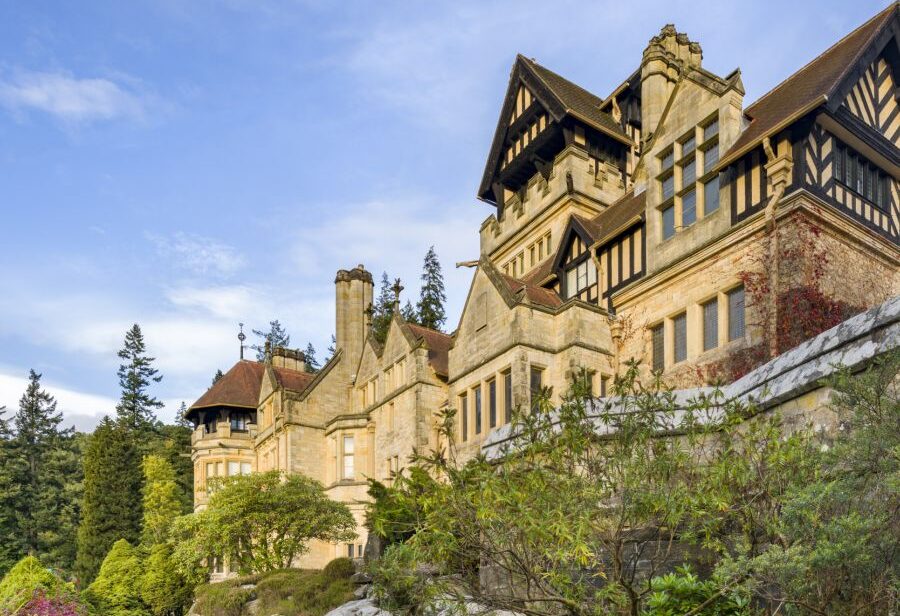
(666, 56)
(293, 359)
(353, 296)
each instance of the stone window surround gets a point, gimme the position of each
(225, 462)
(504, 414)
(696, 155)
(694, 312)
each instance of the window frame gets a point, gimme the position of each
(732, 334)
(679, 322)
(658, 347)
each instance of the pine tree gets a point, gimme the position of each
(331, 350)
(11, 548)
(136, 407)
(276, 337)
(217, 376)
(180, 417)
(430, 307)
(408, 312)
(111, 507)
(312, 364)
(44, 461)
(173, 444)
(383, 310)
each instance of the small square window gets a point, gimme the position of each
(668, 222)
(689, 208)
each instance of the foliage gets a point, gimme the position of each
(111, 506)
(276, 337)
(312, 364)
(294, 592)
(400, 582)
(43, 605)
(395, 514)
(10, 538)
(383, 310)
(221, 599)
(173, 443)
(116, 591)
(163, 589)
(28, 580)
(136, 407)
(217, 377)
(682, 592)
(430, 307)
(161, 502)
(261, 522)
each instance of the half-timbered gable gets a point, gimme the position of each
(620, 237)
(873, 98)
(574, 264)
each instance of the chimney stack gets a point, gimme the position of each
(667, 55)
(353, 295)
(293, 359)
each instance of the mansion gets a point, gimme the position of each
(663, 222)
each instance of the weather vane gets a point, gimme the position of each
(241, 338)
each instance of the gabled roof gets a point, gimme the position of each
(808, 88)
(240, 386)
(559, 97)
(438, 345)
(616, 218)
(532, 292)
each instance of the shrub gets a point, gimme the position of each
(221, 599)
(163, 589)
(26, 581)
(339, 569)
(116, 591)
(681, 592)
(42, 605)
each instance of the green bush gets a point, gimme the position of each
(339, 569)
(680, 592)
(221, 599)
(27, 577)
(163, 589)
(116, 591)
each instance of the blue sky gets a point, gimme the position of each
(192, 164)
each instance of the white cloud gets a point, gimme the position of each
(197, 254)
(70, 98)
(72, 403)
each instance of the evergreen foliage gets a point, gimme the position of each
(430, 307)
(312, 364)
(163, 590)
(26, 579)
(161, 500)
(277, 336)
(11, 545)
(117, 589)
(383, 310)
(332, 348)
(137, 408)
(111, 507)
(408, 312)
(217, 377)
(173, 444)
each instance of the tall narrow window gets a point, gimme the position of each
(689, 173)
(689, 208)
(711, 129)
(492, 403)
(658, 344)
(679, 328)
(464, 417)
(710, 157)
(711, 196)
(688, 145)
(604, 386)
(668, 187)
(711, 324)
(668, 222)
(477, 392)
(536, 381)
(507, 396)
(736, 314)
(348, 457)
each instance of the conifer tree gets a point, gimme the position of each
(277, 336)
(161, 500)
(136, 408)
(111, 508)
(10, 538)
(432, 296)
(44, 462)
(383, 310)
(332, 348)
(217, 377)
(312, 364)
(408, 312)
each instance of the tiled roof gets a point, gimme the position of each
(438, 344)
(616, 218)
(240, 386)
(808, 87)
(574, 98)
(534, 293)
(539, 272)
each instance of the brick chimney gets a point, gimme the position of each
(666, 56)
(353, 296)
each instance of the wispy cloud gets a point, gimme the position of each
(70, 98)
(197, 254)
(82, 409)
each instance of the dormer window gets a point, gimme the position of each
(580, 278)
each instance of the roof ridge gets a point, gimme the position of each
(817, 57)
(429, 329)
(535, 63)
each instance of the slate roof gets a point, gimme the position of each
(616, 218)
(577, 101)
(240, 386)
(534, 293)
(807, 88)
(438, 344)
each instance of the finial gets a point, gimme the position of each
(241, 337)
(397, 289)
(369, 311)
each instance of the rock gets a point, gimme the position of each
(361, 578)
(360, 607)
(362, 591)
